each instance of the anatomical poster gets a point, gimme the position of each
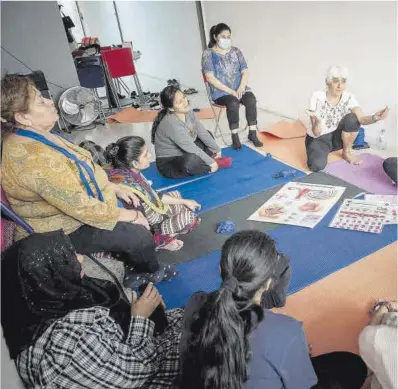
(299, 204)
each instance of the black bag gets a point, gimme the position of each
(68, 23)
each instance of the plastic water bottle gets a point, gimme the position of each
(382, 143)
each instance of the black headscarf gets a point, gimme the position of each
(41, 282)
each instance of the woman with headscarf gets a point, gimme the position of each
(66, 330)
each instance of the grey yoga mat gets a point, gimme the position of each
(204, 239)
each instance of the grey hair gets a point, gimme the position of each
(336, 72)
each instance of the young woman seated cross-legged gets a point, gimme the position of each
(231, 340)
(168, 215)
(183, 146)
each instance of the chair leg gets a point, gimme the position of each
(218, 128)
(217, 117)
(101, 111)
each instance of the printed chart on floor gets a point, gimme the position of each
(299, 204)
(390, 201)
(360, 215)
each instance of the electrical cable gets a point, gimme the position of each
(27, 67)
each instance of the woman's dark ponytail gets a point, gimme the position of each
(111, 153)
(218, 347)
(167, 96)
(212, 41)
(124, 152)
(214, 31)
(162, 113)
(220, 351)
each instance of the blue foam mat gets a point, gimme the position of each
(159, 182)
(243, 163)
(314, 254)
(250, 173)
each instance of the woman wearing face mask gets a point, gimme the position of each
(231, 340)
(66, 330)
(183, 146)
(225, 69)
(168, 214)
(335, 121)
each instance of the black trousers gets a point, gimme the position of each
(184, 165)
(339, 370)
(131, 243)
(319, 148)
(232, 104)
(390, 168)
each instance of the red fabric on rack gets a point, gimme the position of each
(120, 62)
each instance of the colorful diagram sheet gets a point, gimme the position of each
(360, 215)
(389, 200)
(299, 204)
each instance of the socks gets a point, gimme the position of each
(224, 162)
(253, 137)
(236, 145)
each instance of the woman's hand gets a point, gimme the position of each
(315, 122)
(133, 216)
(234, 93)
(213, 167)
(380, 309)
(382, 114)
(147, 303)
(192, 205)
(128, 196)
(240, 92)
(141, 219)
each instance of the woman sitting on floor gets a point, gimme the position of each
(225, 69)
(231, 340)
(53, 184)
(390, 168)
(335, 120)
(168, 215)
(66, 330)
(183, 147)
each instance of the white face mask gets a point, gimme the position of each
(224, 44)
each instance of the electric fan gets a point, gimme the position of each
(79, 106)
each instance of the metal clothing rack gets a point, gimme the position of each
(119, 62)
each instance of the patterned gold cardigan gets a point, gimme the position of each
(44, 188)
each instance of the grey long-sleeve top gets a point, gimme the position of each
(175, 138)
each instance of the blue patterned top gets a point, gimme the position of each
(226, 68)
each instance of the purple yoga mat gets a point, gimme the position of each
(369, 175)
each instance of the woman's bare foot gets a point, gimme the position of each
(351, 159)
(174, 245)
